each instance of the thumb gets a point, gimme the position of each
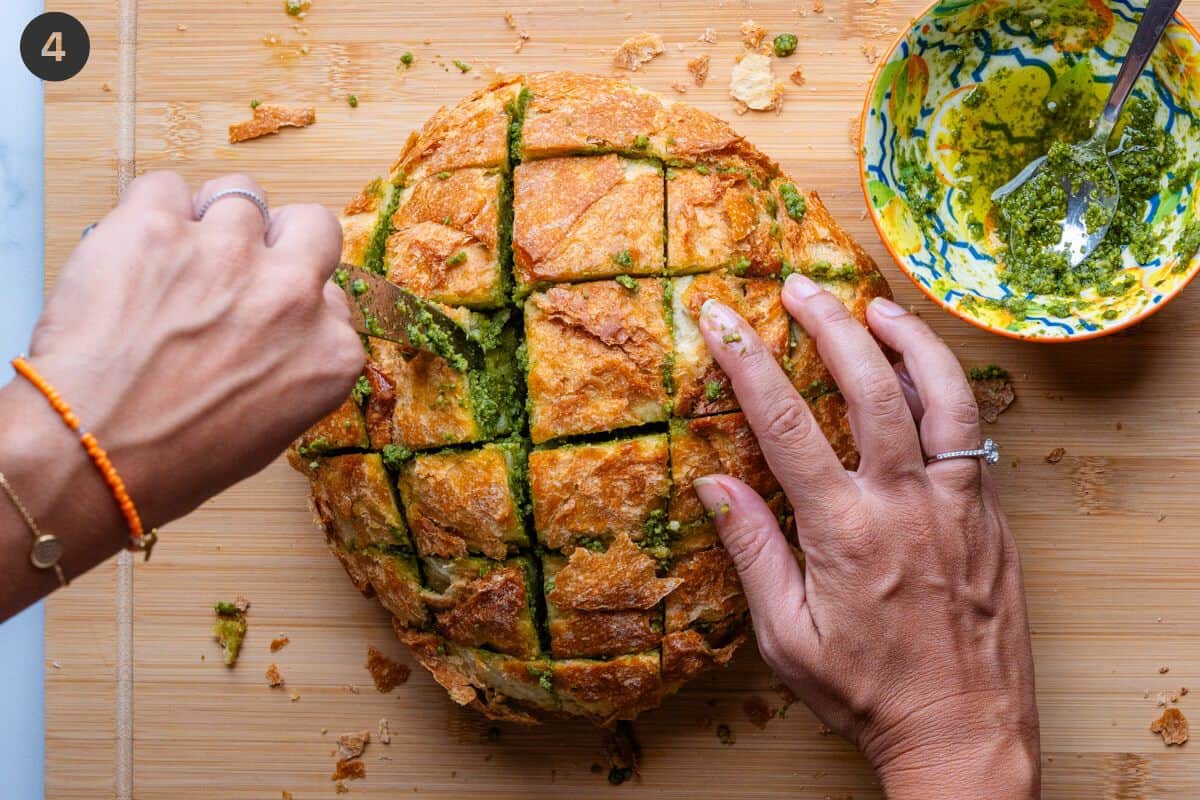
(771, 577)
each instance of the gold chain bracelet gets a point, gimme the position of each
(47, 548)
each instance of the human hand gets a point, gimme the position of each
(196, 350)
(906, 629)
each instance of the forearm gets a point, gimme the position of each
(57, 482)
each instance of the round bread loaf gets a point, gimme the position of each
(530, 524)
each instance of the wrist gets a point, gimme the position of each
(987, 748)
(56, 479)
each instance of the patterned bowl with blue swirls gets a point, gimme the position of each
(956, 257)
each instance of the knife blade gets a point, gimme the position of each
(382, 309)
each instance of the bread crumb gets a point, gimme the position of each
(351, 745)
(279, 642)
(709, 36)
(1172, 726)
(385, 731)
(386, 673)
(698, 66)
(294, 696)
(797, 76)
(509, 21)
(287, 795)
(274, 678)
(104, 87)
(725, 734)
(679, 87)
(753, 84)
(181, 27)
(756, 710)
(637, 50)
(993, 391)
(348, 770)
(351, 688)
(1183, 690)
(818, 6)
(855, 133)
(268, 119)
(341, 788)
(752, 34)
(1164, 669)
(870, 52)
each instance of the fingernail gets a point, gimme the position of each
(888, 308)
(800, 286)
(721, 319)
(711, 495)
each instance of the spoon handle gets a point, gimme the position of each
(1149, 30)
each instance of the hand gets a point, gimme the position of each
(196, 350)
(905, 631)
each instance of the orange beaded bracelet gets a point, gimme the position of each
(139, 540)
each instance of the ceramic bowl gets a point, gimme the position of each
(932, 67)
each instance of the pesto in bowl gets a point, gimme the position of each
(975, 90)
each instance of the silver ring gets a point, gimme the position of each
(243, 193)
(88, 230)
(990, 453)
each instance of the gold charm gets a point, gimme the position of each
(46, 552)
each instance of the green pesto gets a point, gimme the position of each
(341, 276)
(516, 118)
(295, 8)
(701, 169)
(825, 271)
(352, 100)
(623, 259)
(641, 142)
(793, 201)
(496, 391)
(628, 282)
(407, 59)
(713, 391)
(316, 447)
(1030, 218)
(591, 543)
(786, 269)
(656, 537)
(394, 456)
(462, 66)
(443, 175)
(741, 266)
(358, 287)
(255, 104)
(785, 44)
(668, 373)
(730, 338)
(373, 255)
(362, 389)
(457, 259)
(922, 190)
(987, 373)
(229, 630)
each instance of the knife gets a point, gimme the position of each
(382, 309)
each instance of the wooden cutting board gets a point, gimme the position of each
(138, 703)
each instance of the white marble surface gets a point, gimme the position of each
(21, 647)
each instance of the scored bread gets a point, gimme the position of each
(530, 524)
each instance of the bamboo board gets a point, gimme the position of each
(1108, 535)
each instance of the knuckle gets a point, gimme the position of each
(747, 546)
(881, 392)
(961, 409)
(232, 248)
(160, 227)
(787, 421)
(830, 313)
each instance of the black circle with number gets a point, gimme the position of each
(55, 46)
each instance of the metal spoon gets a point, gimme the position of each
(1078, 240)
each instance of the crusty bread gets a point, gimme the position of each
(531, 524)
